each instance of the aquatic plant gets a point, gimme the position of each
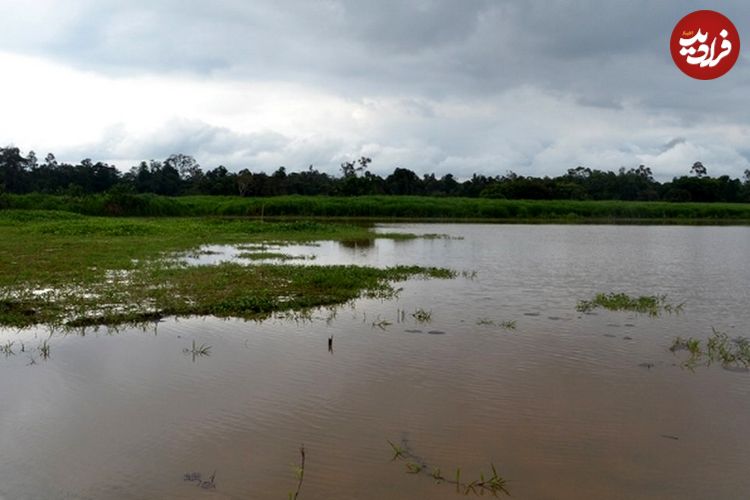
(44, 349)
(507, 324)
(732, 353)
(196, 477)
(198, 350)
(422, 316)
(652, 305)
(299, 473)
(469, 274)
(398, 451)
(414, 468)
(493, 484)
(381, 323)
(7, 348)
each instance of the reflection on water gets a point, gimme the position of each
(363, 243)
(566, 405)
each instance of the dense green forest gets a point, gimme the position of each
(182, 175)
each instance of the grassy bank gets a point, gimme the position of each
(384, 207)
(63, 268)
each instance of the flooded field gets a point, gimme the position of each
(496, 366)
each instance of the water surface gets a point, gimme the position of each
(566, 405)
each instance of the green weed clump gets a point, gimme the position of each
(652, 305)
(422, 315)
(732, 353)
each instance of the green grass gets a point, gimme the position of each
(422, 316)
(653, 305)
(68, 269)
(269, 256)
(493, 483)
(733, 353)
(384, 207)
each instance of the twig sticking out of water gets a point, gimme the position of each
(299, 472)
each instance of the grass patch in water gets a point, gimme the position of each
(68, 269)
(270, 256)
(731, 353)
(422, 316)
(653, 305)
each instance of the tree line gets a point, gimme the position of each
(182, 175)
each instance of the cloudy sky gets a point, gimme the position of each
(459, 86)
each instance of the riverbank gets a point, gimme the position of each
(387, 208)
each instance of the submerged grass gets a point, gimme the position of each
(731, 353)
(493, 483)
(422, 315)
(264, 255)
(66, 269)
(653, 305)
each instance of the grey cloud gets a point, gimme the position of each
(602, 51)
(672, 143)
(603, 57)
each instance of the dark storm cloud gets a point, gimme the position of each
(604, 63)
(488, 41)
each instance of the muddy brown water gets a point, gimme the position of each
(566, 405)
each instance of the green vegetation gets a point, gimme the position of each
(506, 325)
(493, 483)
(381, 207)
(7, 348)
(198, 350)
(181, 174)
(652, 305)
(269, 256)
(299, 473)
(44, 349)
(68, 269)
(197, 478)
(422, 316)
(719, 348)
(381, 323)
